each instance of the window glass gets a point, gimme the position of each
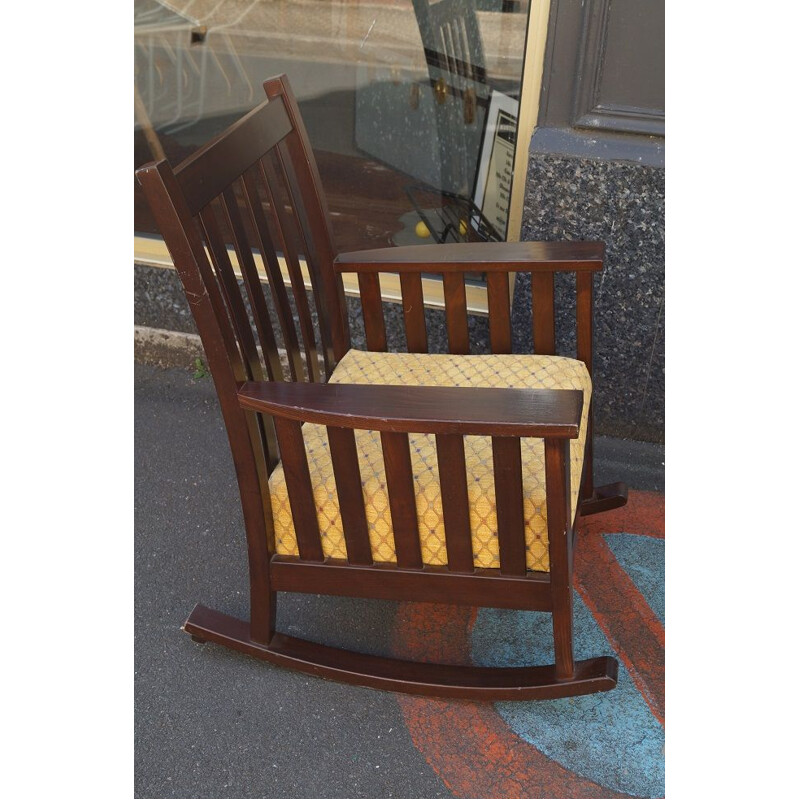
(410, 105)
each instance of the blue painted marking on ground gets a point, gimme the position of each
(642, 557)
(611, 738)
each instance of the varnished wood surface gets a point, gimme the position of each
(414, 312)
(270, 198)
(507, 458)
(422, 409)
(559, 536)
(605, 498)
(402, 499)
(455, 307)
(299, 488)
(477, 256)
(455, 502)
(497, 287)
(347, 474)
(432, 584)
(544, 316)
(215, 166)
(372, 312)
(438, 680)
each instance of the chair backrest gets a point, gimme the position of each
(255, 187)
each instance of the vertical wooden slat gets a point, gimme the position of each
(298, 484)
(414, 312)
(455, 306)
(372, 311)
(230, 290)
(344, 458)
(288, 231)
(252, 283)
(455, 502)
(499, 312)
(544, 322)
(316, 207)
(583, 312)
(312, 231)
(264, 429)
(402, 501)
(557, 478)
(585, 331)
(280, 298)
(507, 460)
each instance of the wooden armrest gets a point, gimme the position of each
(422, 409)
(477, 257)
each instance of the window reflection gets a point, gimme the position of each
(395, 95)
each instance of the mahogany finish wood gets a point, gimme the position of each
(475, 410)
(289, 233)
(252, 179)
(544, 317)
(455, 306)
(304, 166)
(253, 285)
(497, 290)
(455, 502)
(257, 187)
(605, 498)
(584, 323)
(510, 513)
(559, 536)
(372, 312)
(414, 312)
(204, 175)
(347, 473)
(298, 484)
(487, 684)
(402, 499)
(430, 584)
(477, 257)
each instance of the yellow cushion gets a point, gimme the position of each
(504, 371)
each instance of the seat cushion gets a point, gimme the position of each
(503, 371)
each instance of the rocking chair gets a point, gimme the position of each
(447, 478)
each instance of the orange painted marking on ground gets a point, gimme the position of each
(468, 745)
(623, 615)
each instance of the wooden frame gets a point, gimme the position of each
(258, 185)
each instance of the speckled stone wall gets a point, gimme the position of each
(622, 204)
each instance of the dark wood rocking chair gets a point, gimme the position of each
(449, 478)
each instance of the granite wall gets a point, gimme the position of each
(622, 204)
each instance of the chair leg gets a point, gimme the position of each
(262, 617)
(563, 636)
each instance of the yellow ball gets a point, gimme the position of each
(462, 227)
(422, 230)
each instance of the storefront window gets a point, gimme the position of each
(411, 106)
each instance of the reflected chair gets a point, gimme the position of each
(446, 478)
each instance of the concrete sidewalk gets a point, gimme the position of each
(212, 723)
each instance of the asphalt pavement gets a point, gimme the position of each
(210, 722)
